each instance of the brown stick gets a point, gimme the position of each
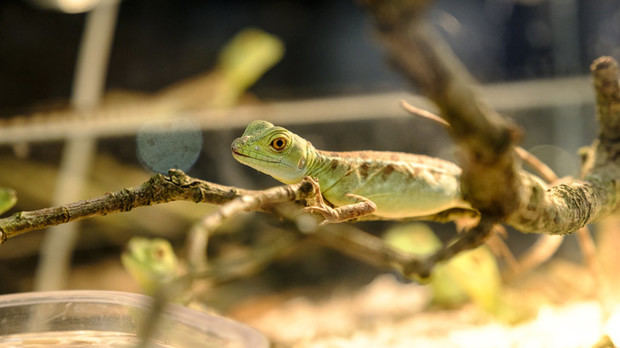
(158, 189)
(416, 111)
(199, 234)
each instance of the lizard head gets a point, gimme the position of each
(272, 150)
(151, 262)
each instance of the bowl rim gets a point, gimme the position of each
(198, 320)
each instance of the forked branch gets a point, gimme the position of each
(492, 181)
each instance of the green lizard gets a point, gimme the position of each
(388, 185)
(151, 262)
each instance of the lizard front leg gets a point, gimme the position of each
(364, 206)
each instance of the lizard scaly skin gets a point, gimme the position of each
(394, 185)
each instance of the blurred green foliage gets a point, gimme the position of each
(8, 198)
(471, 275)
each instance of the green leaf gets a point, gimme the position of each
(8, 198)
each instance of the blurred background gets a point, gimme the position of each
(323, 74)
(330, 48)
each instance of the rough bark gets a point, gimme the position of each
(492, 180)
(159, 189)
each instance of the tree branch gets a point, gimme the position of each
(176, 186)
(567, 207)
(199, 234)
(491, 180)
(485, 136)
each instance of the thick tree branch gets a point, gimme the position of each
(566, 207)
(492, 181)
(485, 137)
(605, 73)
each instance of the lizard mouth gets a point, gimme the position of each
(254, 158)
(240, 154)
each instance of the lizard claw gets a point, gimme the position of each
(364, 206)
(343, 213)
(329, 214)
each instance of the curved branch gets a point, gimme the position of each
(199, 234)
(566, 207)
(491, 180)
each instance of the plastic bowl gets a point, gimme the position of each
(88, 318)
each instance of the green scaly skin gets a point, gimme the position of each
(151, 262)
(401, 185)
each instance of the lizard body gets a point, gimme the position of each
(400, 185)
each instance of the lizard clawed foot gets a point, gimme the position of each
(343, 213)
(318, 206)
(329, 214)
(318, 197)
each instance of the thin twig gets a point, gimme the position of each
(199, 234)
(542, 250)
(588, 250)
(498, 246)
(543, 170)
(373, 250)
(423, 113)
(364, 246)
(342, 237)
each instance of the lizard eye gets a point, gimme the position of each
(279, 143)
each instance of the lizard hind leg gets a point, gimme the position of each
(363, 207)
